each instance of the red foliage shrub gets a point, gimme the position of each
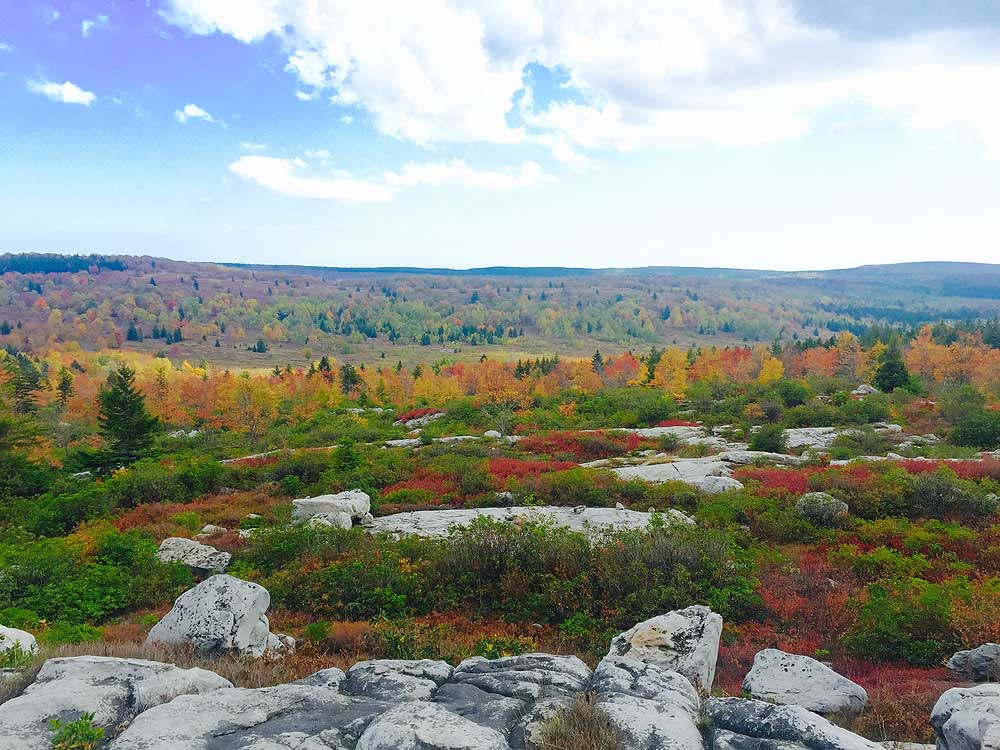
(424, 479)
(416, 413)
(581, 446)
(256, 462)
(677, 423)
(503, 469)
(775, 480)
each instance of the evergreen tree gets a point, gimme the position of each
(124, 421)
(597, 361)
(349, 378)
(892, 373)
(64, 387)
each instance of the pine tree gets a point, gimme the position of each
(124, 421)
(892, 373)
(64, 387)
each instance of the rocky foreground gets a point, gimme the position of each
(652, 686)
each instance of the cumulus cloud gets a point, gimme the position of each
(251, 146)
(67, 93)
(732, 72)
(4, 47)
(289, 177)
(192, 112)
(88, 25)
(283, 176)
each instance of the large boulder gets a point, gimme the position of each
(653, 708)
(428, 726)
(685, 640)
(305, 717)
(801, 681)
(963, 716)
(193, 554)
(753, 721)
(396, 679)
(354, 503)
(113, 690)
(591, 521)
(11, 638)
(222, 614)
(980, 664)
(821, 509)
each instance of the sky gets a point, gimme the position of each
(779, 134)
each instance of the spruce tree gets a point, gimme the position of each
(124, 421)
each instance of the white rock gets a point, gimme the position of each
(14, 638)
(788, 724)
(653, 708)
(221, 614)
(300, 716)
(492, 434)
(821, 508)
(592, 521)
(111, 689)
(428, 726)
(193, 554)
(963, 716)
(334, 520)
(210, 528)
(354, 503)
(684, 640)
(681, 470)
(798, 680)
(717, 485)
(396, 679)
(980, 664)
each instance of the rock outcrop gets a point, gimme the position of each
(113, 690)
(653, 707)
(428, 726)
(801, 681)
(353, 503)
(980, 664)
(437, 523)
(11, 638)
(220, 615)
(193, 554)
(741, 724)
(685, 640)
(964, 716)
(821, 509)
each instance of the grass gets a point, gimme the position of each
(582, 726)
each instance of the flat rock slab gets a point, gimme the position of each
(275, 718)
(113, 690)
(428, 726)
(782, 724)
(193, 554)
(967, 718)
(396, 679)
(593, 521)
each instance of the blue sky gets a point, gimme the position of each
(759, 133)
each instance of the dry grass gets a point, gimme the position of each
(582, 726)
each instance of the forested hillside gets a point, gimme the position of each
(258, 317)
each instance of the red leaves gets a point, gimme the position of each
(677, 423)
(503, 469)
(415, 413)
(582, 446)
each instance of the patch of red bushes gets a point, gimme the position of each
(581, 446)
(503, 469)
(424, 479)
(677, 423)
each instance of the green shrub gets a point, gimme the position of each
(65, 632)
(76, 735)
(769, 437)
(582, 726)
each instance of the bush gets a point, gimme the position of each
(909, 620)
(770, 438)
(76, 735)
(978, 430)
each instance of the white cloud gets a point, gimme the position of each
(67, 93)
(286, 176)
(456, 173)
(304, 96)
(251, 146)
(192, 112)
(732, 72)
(281, 176)
(4, 47)
(88, 25)
(347, 119)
